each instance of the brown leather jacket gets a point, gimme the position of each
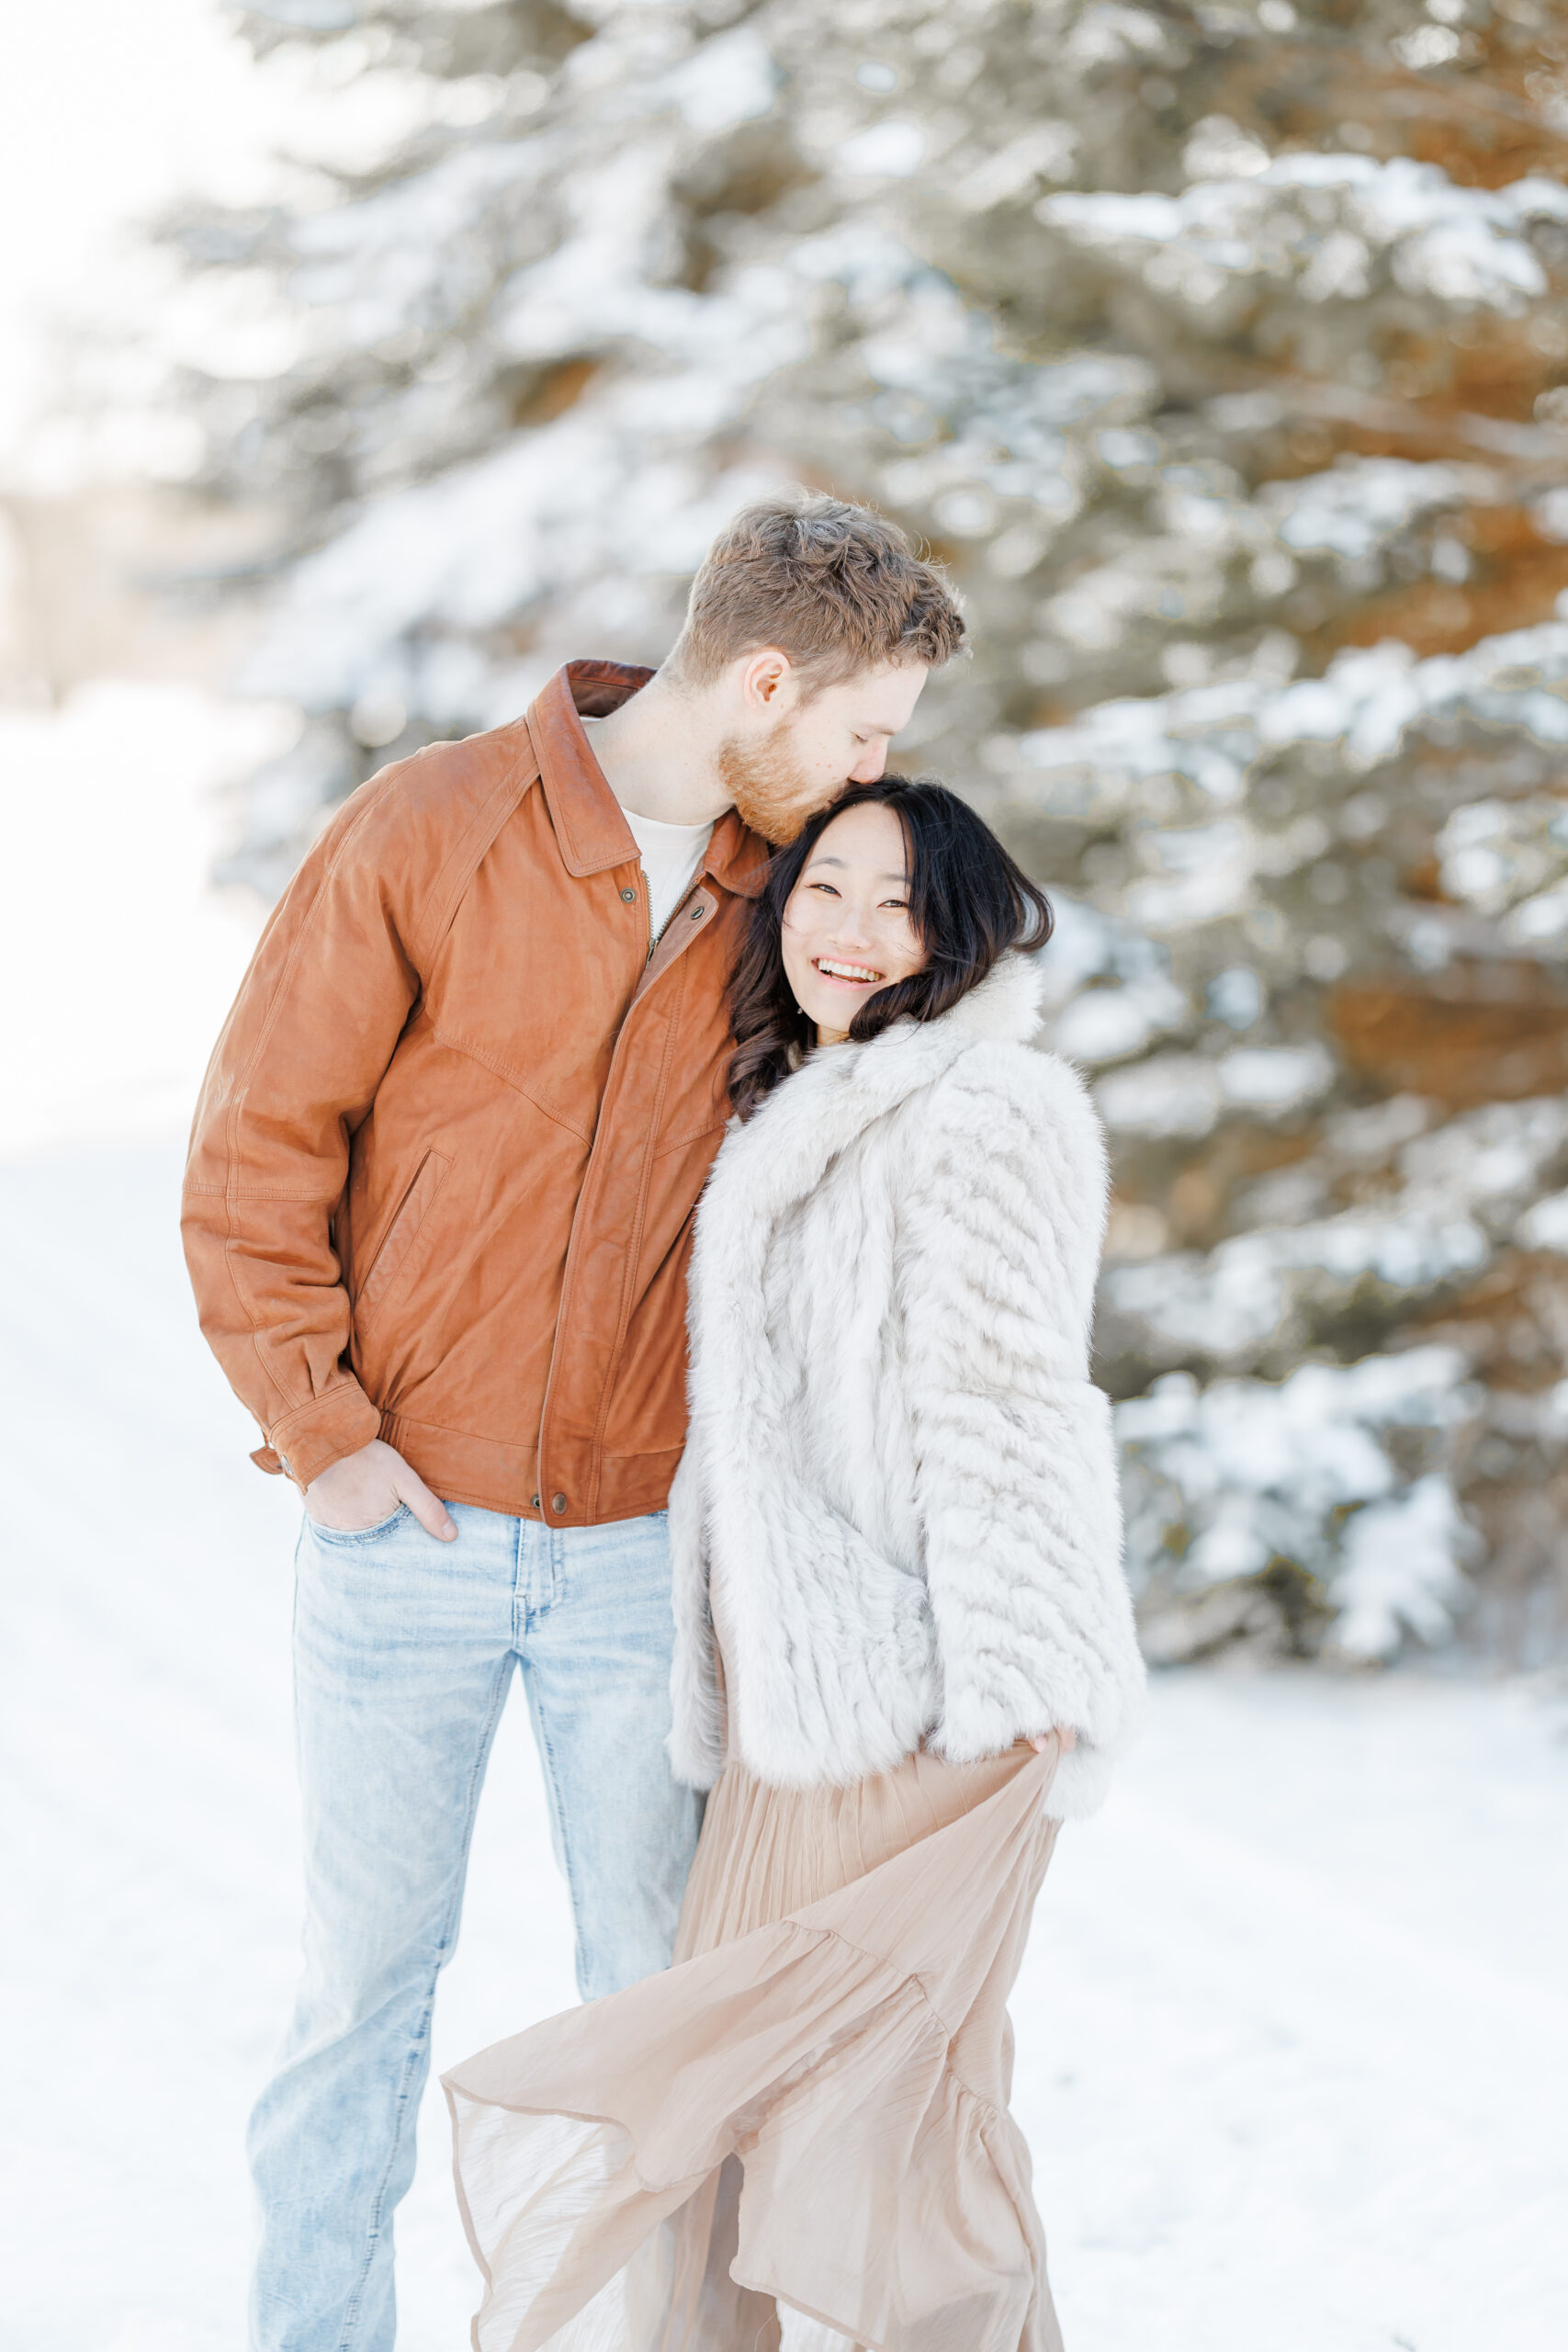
(445, 1159)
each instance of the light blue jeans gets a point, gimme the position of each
(403, 1651)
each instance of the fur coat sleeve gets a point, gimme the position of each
(1003, 1222)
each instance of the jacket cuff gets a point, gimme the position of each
(315, 1435)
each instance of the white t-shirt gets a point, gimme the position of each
(671, 856)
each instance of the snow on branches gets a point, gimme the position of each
(1220, 351)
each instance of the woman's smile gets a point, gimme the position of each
(854, 975)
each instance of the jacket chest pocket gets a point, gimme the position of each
(399, 1240)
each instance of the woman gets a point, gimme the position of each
(905, 1652)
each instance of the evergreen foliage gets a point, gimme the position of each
(1221, 353)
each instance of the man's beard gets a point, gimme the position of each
(768, 786)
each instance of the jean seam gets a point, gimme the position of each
(519, 1599)
(548, 1758)
(444, 1949)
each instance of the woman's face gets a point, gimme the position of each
(846, 930)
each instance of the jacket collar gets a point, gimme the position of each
(590, 823)
(780, 1155)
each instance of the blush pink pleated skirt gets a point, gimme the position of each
(798, 2135)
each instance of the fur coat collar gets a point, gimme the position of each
(839, 1090)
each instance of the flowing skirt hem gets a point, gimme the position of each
(801, 2082)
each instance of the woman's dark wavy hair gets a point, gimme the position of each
(968, 901)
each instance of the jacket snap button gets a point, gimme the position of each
(532, 1502)
(557, 1502)
(628, 896)
(697, 913)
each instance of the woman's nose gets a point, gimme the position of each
(852, 933)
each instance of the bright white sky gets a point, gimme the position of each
(108, 108)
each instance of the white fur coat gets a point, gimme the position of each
(898, 1464)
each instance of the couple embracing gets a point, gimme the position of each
(821, 1622)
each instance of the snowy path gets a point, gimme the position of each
(1292, 2032)
(1293, 2028)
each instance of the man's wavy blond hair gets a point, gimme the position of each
(835, 586)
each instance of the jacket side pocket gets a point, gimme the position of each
(429, 1177)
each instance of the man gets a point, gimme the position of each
(437, 1216)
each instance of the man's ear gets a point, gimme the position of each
(765, 677)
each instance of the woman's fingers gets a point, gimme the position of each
(1066, 1739)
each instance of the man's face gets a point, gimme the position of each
(793, 750)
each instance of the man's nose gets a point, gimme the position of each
(871, 764)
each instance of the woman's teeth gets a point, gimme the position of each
(845, 971)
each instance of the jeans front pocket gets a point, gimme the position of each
(357, 1534)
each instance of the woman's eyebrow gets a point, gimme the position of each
(901, 879)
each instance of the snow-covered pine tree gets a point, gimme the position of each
(1220, 351)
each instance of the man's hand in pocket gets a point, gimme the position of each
(366, 1487)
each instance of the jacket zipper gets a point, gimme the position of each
(641, 991)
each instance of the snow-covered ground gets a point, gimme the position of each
(1293, 2026)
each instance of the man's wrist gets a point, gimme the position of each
(311, 1438)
